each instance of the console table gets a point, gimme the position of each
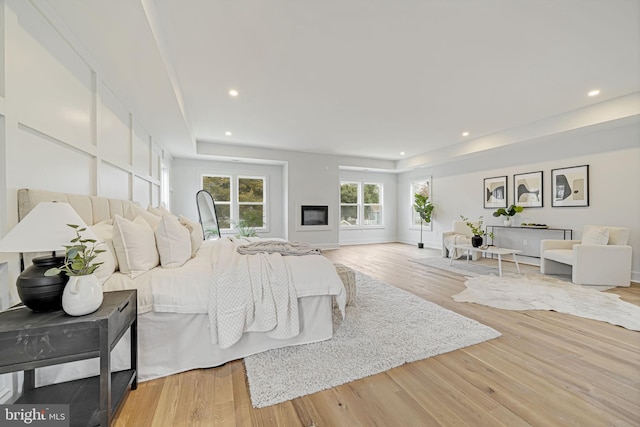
(30, 340)
(526, 239)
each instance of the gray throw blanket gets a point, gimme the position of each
(278, 246)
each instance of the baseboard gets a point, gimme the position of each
(635, 277)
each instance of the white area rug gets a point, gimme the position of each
(386, 328)
(539, 292)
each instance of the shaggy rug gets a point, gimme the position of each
(539, 292)
(386, 328)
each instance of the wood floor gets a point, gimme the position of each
(547, 369)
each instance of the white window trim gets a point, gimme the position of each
(234, 203)
(265, 210)
(360, 205)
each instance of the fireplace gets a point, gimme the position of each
(312, 215)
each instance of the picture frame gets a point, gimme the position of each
(570, 186)
(494, 193)
(528, 189)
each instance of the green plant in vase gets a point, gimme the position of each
(478, 230)
(82, 294)
(424, 208)
(508, 213)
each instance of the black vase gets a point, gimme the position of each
(476, 241)
(39, 292)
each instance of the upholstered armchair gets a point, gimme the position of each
(602, 257)
(460, 234)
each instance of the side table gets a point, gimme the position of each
(30, 340)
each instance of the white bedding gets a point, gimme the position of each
(186, 289)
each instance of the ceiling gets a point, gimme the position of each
(366, 78)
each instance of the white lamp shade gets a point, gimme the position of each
(45, 229)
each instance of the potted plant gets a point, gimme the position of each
(246, 226)
(509, 212)
(477, 228)
(82, 294)
(424, 207)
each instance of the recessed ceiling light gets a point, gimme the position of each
(402, 153)
(227, 133)
(594, 92)
(233, 92)
(465, 133)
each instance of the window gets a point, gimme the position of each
(165, 189)
(360, 204)
(238, 200)
(422, 186)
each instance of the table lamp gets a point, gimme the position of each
(43, 229)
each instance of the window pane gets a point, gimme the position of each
(373, 215)
(252, 214)
(224, 215)
(348, 215)
(250, 190)
(349, 193)
(218, 186)
(372, 193)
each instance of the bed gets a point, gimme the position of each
(175, 329)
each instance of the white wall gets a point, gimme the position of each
(388, 231)
(613, 156)
(61, 127)
(187, 179)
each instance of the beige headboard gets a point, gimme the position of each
(92, 209)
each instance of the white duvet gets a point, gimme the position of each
(187, 289)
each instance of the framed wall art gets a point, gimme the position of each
(495, 192)
(570, 186)
(527, 189)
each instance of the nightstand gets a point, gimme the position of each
(30, 340)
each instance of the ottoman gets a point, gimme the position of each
(348, 277)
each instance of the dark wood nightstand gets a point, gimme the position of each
(30, 340)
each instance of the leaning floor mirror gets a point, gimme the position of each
(207, 215)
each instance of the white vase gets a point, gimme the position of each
(507, 222)
(82, 295)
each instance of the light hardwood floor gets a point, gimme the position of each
(547, 369)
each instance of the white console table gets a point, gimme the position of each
(526, 239)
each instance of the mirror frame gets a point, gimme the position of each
(209, 197)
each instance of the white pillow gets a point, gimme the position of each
(173, 241)
(152, 220)
(155, 211)
(135, 245)
(104, 233)
(595, 235)
(195, 230)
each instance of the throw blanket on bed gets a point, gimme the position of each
(278, 246)
(456, 239)
(251, 294)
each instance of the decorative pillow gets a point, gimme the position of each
(135, 246)
(104, 232)
(173, 241)
(195, 230)
(595, 235)
(152, 220)
(155, 211)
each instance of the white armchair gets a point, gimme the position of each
(460, 229)
(602, 257)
